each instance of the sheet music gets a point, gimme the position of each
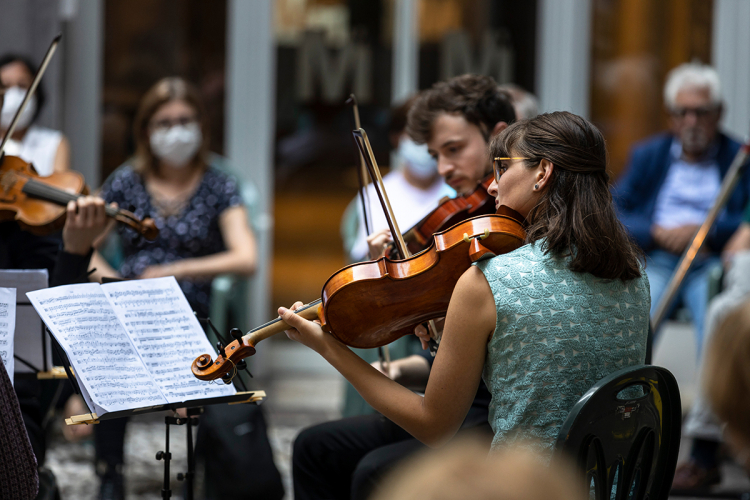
(7, 327)
(100, 350)
(166, 334)
(29, 344)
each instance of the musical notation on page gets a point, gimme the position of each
(166, 334)
(111, 372)
(131, 343)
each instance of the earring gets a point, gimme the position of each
(536, 187)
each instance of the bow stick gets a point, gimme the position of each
(363, 143)
(384, 354)
(30, 92)
(364, 196)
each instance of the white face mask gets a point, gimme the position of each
(13, 99)
(177, 145)
(416, 158)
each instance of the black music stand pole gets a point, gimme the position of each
(191, 420)
(189, 476)
(166, 492)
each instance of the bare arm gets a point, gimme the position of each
(62, 157)
(239, 258)
(103, 269)
(455, 375)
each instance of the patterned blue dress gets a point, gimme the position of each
(558, 332)
(193, 231)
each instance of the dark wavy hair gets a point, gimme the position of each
(41, 97)
(476, 97)
(575, 215)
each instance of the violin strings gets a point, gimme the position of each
(274, 321)
(49, 193)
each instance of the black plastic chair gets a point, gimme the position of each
(626, 442)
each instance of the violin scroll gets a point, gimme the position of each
(229, 359)
(205, 368)
(146, 227)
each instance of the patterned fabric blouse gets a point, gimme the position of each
(558, 332)
(192, 232)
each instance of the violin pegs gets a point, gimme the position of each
(220, 348)
(242, 365)
(236, 334)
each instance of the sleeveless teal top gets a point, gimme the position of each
(558, 332)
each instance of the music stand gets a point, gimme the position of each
(194, 408)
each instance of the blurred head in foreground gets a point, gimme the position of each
(727, 379)
(463, 470)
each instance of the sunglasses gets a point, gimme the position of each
(499, 169)
(701, 112)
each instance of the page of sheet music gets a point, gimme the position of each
(103, 356)
(7, 327)
(166, 334)
(30, 344)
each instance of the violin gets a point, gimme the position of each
(448, 213)
(371, 304)
(38, 204)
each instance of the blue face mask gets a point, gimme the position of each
(416, 158)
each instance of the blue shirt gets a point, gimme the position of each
(689, 190)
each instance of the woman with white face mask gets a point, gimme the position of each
(203, 227)
(46, 149)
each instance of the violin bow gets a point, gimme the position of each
(364, 196)
(30, 92)
(365, 150)
(384, 355)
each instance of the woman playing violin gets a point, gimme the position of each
(345, 458)
(540, 324)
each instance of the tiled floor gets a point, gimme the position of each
(302, 390)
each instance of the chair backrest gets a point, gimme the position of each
(624, 433)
